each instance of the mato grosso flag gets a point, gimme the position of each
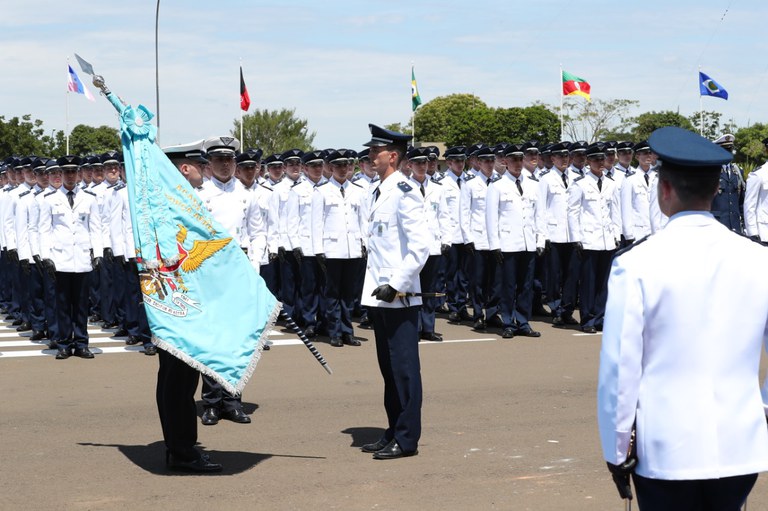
(205, 303)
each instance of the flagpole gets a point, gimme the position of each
(242, 142)
(157, 75)
(413, 111)
(701, 109)
(66, 118)
(562, 134)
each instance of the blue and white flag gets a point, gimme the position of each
(205, 303)
(709, 87)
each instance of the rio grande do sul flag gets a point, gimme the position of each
(575, 86)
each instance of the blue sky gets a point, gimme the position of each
(343, 64)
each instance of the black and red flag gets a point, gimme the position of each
(245, 100)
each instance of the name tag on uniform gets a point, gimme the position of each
(378, 228)
(83, 216)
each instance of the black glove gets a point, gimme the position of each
(444, 249)
(578, 247)
(108, 255)
(36, 259)
(272, 256)
(540, 251)
(385, 293)
(132, 262)
(49, 268)
(470, 248)
(620, 474)
(321, 262)
(755, 238)
(13, 256)
(364, 251)
(629, 242)
(96, 262)
(26, 269)
(298, 253)
(499, 256)
(281, 254)
(547, 246)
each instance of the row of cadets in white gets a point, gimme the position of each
(514, 221)
(68, 235)
(339, 221)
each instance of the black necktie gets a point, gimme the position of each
(421, 189)
(565, 180)
(488, 181)
(71, 198)
(646, 179)
(376, 194)
(600, 184)
(458, 182)
(519, 186)
(342, 190)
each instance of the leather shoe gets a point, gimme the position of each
(569, 319)
(431, 336)
(540, 311)
(453, 317)
(310, 332)
(238, 416)
(120, 333)
(62, 354)
(508, 333)
(150, 350)
(22, 325)
(83, 353)
(53, 345)
(377, 446)
(336, 342)
(589, 330)
(17, 322)
(349, 339)
(94, 319)
(393, 451)
(365, 322)
(479, 324)
(528, 332)
(496, 322)
(108, 326)
(199, 465)
(131, 340)
(210, 417)
(37, 336)
(558, 322)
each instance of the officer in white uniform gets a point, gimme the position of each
(367, 179)
(636, 196)
(577, 151)
(71, 245)
(45, 180)
(398, 248)
(756, 203)
(673, 369)
(593, 220)
(439, 231)
(339, 220)
(233, 207)
(25, 224)
(515, 233)
(455, 259)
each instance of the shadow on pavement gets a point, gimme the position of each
(362, 436)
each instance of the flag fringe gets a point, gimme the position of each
(237, 389)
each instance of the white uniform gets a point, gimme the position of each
(282, 191)
(339, 221)
(68, 235)
(636, 204)
(9, 215)
(25, 223)
(680, 356)
(452, 188)
(397, 240)
(472, 204)
(233, 207)
(756, 203)
(119, 218)
(267, 208)
(658, 219)
(554, 197)
(514, 221)
(102, 191)
(593, 213)
(436, 214)
(299, 213)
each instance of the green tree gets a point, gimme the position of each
(89, 140)
(21, 136)
(749, 144)
(517, 124)
(712, 128)
(595, 120)
(646, 123)
(274, 131)
(454, 119)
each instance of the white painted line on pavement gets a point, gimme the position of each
(584, 334)
(46, 353)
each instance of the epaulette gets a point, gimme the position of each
(404, 187)
(466, 177)
(22, 194)
(630, 172)
(630, 247)
(355, 184)
(578, 178)
(375, 179)
(437, 178)
(119, 186)
(50, 193)
(38, 192)
(109, 187)
(495, 178)
(265, 186)
(89, 192)
(321, 184)
(356, 177)
(437, 181)
(534, 178)
(544, 172)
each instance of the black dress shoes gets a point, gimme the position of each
(336, 342)
(392, 451)
(377, 446)
(94, 319)
(131, 340)
(453, 317)
(495, 322)
(210, 417)
(310, 332)
(589, 330)
(120, 333)
(431, 336)
(150, 350)
(83, 353)
(479, 324)
(24, 326)
(508, 333)
(349, 339)
(37, 336)
(528, 332)
(199, 465)
(62, 354)
(108, 326)
(17, 322)
(365, 322)
(238, 416)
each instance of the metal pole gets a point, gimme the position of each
(242, 142)
(157, 75)
(562, 135)
(66, 119)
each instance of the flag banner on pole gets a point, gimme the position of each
(75, 85)
(415, 98)
(205, 303)
(245, 100)
(575, 86)
(709, 87)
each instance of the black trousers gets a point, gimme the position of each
(397, 350)
(340, 292)
(72, 309)
(563, 265)
(515, 285)
(175, 394)
(430, 278)
(726, 494)
(214, 396)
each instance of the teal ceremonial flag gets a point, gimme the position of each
(205, 303)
